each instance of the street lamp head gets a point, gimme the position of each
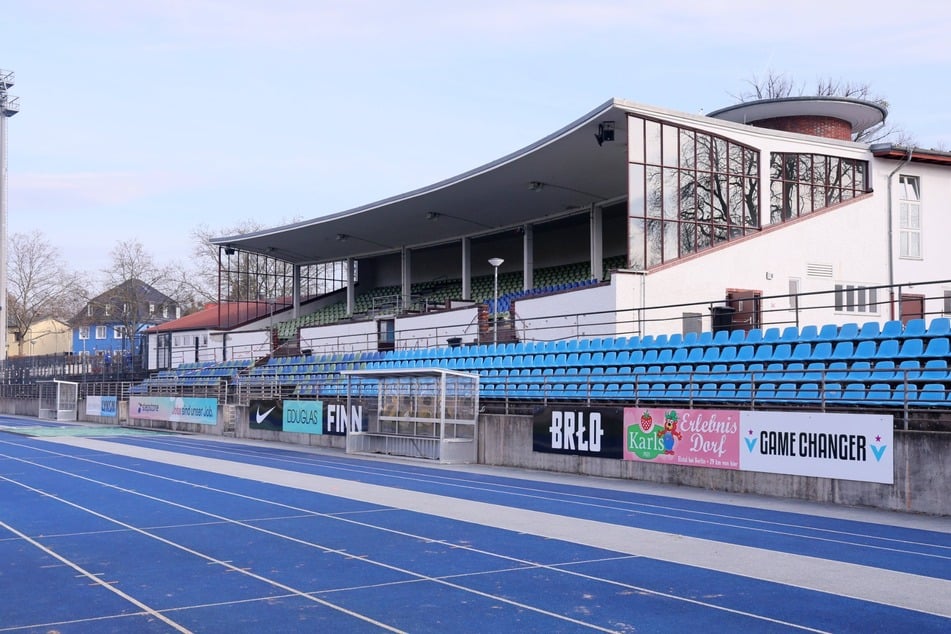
(496, 262)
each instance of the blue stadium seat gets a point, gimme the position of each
(908, 369)
(828, 332)
(727, 354)
(848, 331)
(808, 333)
(854, 393)
(837, 371)
(809, 392)
(843, 351)
(795, 372)
(754, 336)
(782, 352)
(887, 349)
(721, 338)
(912, 349)
(675, 340)
(884, 370)
(939, 327)
(932, 394)
(915, 328)
(865, 349)
(879, 393)
(745, 353)
(737, 337)
(870, 330)
(766, 392)
(821, 351)
(786, 393)
(801, 352)
(935, 370)
(771, 335)
(859, 371)
(832, 391)
(705, 339)
(891, 329)
(726, 392)
(938, 348)
(790, 334)
(707, 392)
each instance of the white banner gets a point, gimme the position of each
(842, 446)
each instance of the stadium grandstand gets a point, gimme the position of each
(753, 259)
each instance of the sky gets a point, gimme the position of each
(146, 119)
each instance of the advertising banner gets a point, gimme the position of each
(340, 420)
(176, 409)
(844, 446)
(581, 431)
(693, 437)
(101, 405)
(265, 415)
(304, 417)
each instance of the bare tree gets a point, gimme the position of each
(133, 280)
(778, 85)
(38, 284)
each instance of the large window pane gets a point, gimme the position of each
(652, 142)
(635, 135)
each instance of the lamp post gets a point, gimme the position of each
(496, 263)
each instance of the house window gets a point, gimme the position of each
(947, 302)
(84, 332)
(852, 298)
(89, 310)
(151, 308)
(909, 195)
(165, 312)
(118, 332)
(106, 309)
(100, 332)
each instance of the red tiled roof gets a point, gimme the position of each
(224, 316)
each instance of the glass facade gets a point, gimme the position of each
(803, 183)
(689, 190)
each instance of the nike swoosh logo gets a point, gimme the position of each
(258, 415)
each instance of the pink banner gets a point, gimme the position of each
(691, 437)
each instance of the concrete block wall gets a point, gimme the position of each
(922, 470)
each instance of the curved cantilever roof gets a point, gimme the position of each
(569, 168)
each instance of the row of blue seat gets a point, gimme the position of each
(889, 349)
(930, 394)
(850, 332)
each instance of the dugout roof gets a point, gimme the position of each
(572, 168)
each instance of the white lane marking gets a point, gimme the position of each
(440, 580)
(95, 578)
(186, 549)
(612, 504)
(928, 595)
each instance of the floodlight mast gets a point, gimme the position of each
(9, 106)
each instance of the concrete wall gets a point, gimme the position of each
(922, 470)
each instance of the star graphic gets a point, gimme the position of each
(750, 432)
(878, 439)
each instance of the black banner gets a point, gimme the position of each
(339, 419)
(580, 431)
(266, 415)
